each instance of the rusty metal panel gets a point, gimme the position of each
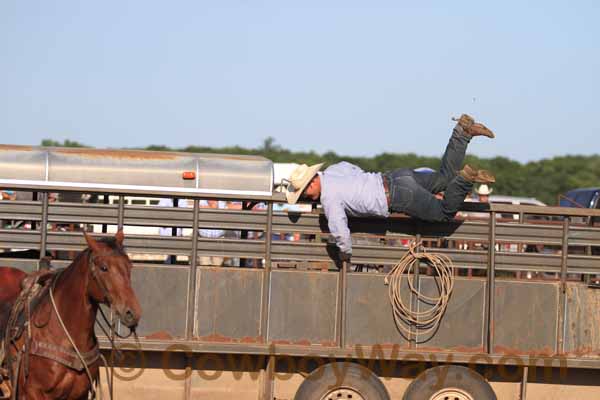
(526, 317)
(228, 304)
(162, 292)
(461, 328)
(369, 318)
(302, 307)
(582, 320)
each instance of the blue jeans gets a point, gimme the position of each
(413, 192)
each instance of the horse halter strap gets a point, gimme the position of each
(94, 271)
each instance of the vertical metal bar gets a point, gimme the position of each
(105, 200)
(414, 304)
(563, 286)
(34, 197)
(192, 276)
(520, 246)
(121, 215)
(120, 220)
(341, 317)
(187, 384)
(491, 285)
(587, 279)
(268, 372)
(44, 227)
(246, 206)
(172, 257)
(524, 383)
(267, 375)
(266, 282)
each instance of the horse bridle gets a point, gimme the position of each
(105, 292)
(94, 272)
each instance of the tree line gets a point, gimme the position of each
(544, 179)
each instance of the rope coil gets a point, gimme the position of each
(428, 320)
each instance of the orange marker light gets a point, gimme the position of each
(189, 175)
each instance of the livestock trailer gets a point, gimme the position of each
(280, 318)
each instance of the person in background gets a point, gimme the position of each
(483, 193)
(169, 231)
(212, 233)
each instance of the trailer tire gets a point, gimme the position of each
(460, 383)
(357, 383)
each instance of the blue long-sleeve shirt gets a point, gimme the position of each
(347, 190)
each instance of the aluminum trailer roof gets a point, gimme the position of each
(135, 171)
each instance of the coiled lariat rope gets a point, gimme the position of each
(427, 320)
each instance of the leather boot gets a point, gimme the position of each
(477, 175)
(473, 128)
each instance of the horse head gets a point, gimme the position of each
(110, 278)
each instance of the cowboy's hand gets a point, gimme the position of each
(345, 257)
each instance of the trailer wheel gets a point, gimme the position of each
(459, 383)
(357, 383)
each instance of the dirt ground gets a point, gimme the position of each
(153, 384)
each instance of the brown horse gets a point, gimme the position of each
(48, 366)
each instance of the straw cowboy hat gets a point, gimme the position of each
(484, 190)
(298, 181)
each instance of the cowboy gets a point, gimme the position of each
(483, 193)
(346, 190)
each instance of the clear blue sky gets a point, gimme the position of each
(355, 77)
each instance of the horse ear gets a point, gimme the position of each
(119, 237)
(91, 242)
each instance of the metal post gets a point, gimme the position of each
(520, 246)
(267, 373)
(267, 376)
(414, 303)
(44, 227)
(266, 283)
(172, 257)
(341, 317)
(120, 220)
(192, 275)
(121, 215)
(563, 286)
(491, 285)
(244, 233)
(34, 197)
(105, 200)
(524, 383)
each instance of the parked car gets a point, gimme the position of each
(500, 199)
(581, 198)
